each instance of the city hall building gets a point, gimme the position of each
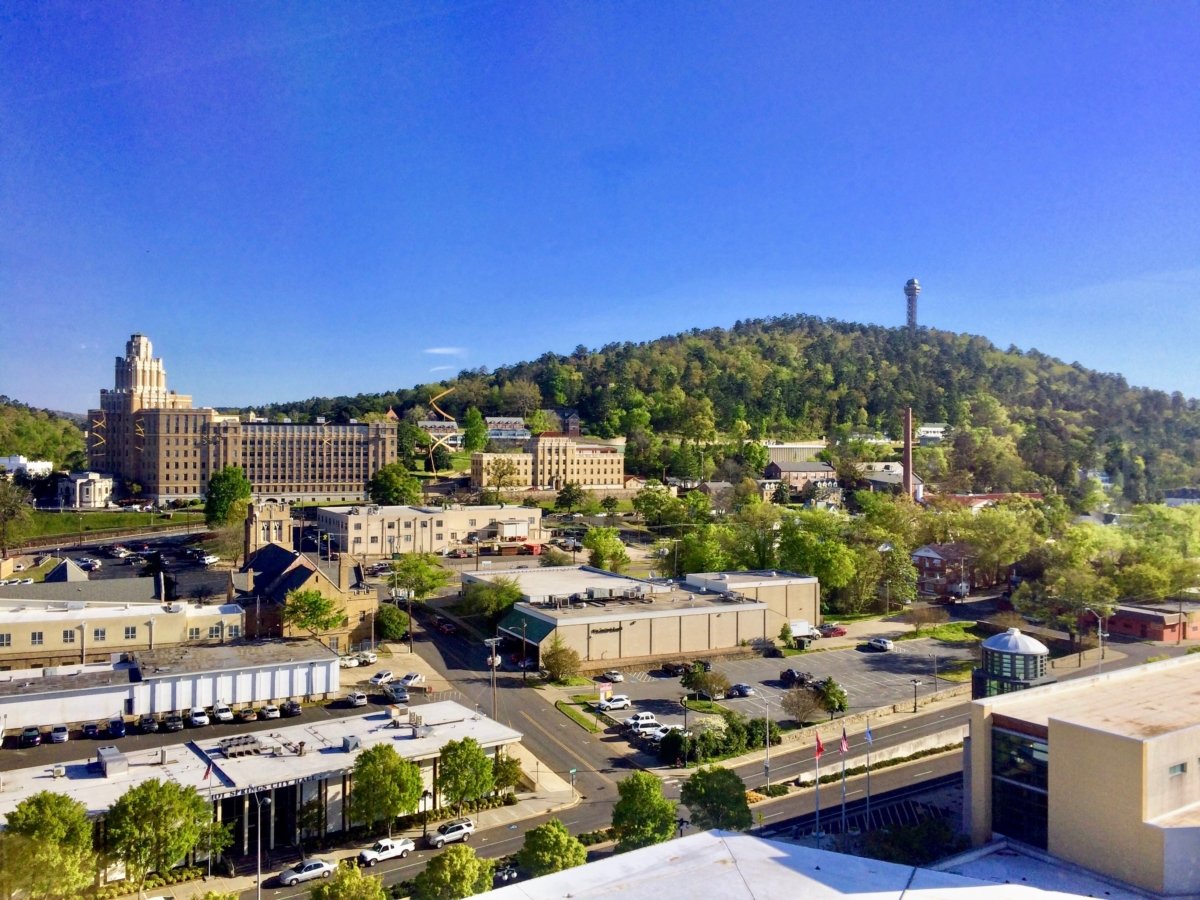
(146, 434)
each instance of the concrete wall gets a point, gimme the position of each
(721, 628)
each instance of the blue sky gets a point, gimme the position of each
(315, 199)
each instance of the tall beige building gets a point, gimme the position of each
(154, 437)
(552, 460)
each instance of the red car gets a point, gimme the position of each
(833, 631)
(448, 628)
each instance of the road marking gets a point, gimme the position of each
(923, 774)
(587, 764)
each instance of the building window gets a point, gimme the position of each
(235, 631)
(131, 632)
(1177, 769)
(193, 634)
(68, 635)
(99, 634)
(5, 640)
(214, 632)
(1020, 779)
(36, 638)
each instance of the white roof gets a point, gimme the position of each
(1013, 641)
(721, 865)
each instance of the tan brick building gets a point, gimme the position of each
(148, 435)
(552, 460)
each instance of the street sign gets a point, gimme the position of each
(573, 771)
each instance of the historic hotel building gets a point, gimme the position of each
(146, 434)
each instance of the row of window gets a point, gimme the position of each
(38, 638)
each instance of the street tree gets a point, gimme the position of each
(550, 848)
(801, 704)
(454, 874)
(155, 824)
(15, 509)
(391, 623)
(418, 575)
(464, 772)
(815, 542)
(506, 773)
(48, 847)
(610, 504)
(309, 610)
(833, 697)
(571, 496)
(501, 473)
(385, 786)
(642, 816)
(605, 550)
(391, 485)
(560, 661)
(922, 616)
(474, 430)
(552, 556)
(491, 599)
(226, 498)
(716, 798)
(350, 883)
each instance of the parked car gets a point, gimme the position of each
(662, 731)
(147, 724)
(270, 711)
(616, 701)
(412, 679)
(349, 662)
(880, 645)
(198, 716)
(366, 658)
(387, 848)
(794, 677)
(448, 628)
(307, 870)
(398, 693)
(641, 721)
(674, 669)
(613, 675)
(59, 734)
(222, 712)
(832, 629)
(247, 714)
(30, 737)
(382, 677)
(710, 696)
(91, 731)
(210, 559)
(289, 709)
(116, 728)
(704, 664)
(741, 690)
(172, 722)
(454, 830)
(356, 698)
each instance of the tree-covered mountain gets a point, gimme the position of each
(40, 434)
(1022, 420)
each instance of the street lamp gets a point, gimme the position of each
(259, 802)
(426, 796)
(683, 703)
(491, 643)
(915, 684)
(1099, 636)
(887, 584)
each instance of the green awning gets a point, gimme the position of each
(536, 630)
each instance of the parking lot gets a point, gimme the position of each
(871, 680)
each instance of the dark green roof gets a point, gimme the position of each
(536, 630)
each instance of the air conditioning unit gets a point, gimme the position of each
(351, 742)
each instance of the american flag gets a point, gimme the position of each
(845, 744)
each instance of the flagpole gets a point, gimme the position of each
(817, 790)
(208, 778)
(869, 742)
(843, 784)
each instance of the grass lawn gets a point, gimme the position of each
(44, 524)
(959, 671)
(951, 633)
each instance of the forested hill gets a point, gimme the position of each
(1022, 419)
(40, 434)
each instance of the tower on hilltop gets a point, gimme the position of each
(912, 288)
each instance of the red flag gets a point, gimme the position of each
(820, 748)
(845, 746)
(208, 772)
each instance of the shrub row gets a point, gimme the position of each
(121, 888)
(588, 838)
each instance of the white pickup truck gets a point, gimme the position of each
(388, 848)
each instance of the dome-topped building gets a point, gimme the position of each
(1012, 661)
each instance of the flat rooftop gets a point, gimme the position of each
(281, 759)
(565, 581)
(181, 658)
(743, 580)
(1141, 702)
(109, 590)
(31, 612)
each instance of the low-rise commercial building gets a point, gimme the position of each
(370, 532)
(1100, 771)
(85, 490)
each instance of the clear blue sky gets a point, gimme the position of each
(299, 199)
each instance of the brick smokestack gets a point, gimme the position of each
(908, 432)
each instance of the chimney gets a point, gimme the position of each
(344, 572)
(908, 434)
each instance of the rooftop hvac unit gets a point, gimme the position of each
(59, 771)
(351, 742)
(112, 762)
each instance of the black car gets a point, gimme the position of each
(289, 709)
(704, 664)
(674, 669)
(91, 731)
(31, 736)
(173, 722)
(116, 728)
(147, 724)
(793, 677)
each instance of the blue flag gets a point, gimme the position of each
(870, 740)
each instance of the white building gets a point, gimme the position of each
(34, 468)
(374, 531)
(85, 490)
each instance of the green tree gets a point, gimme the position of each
(385, 786)
(226, 498)
(391, 623)
(309, 610)
(610, 504)
(501, 473)
(571, 495)
(605, 550)
(474, 430)
(350, 883)
(560, 661)
(833, 697)
(418, 575)
(550, 848)
(48, 847)
(491, 599)
(454, 874)
(464, 772)
(642, 816)
(391, 485)
(716, 798)
(15, 510)
(155, 824)
(552, 556)
(801, 704)
(506, 772)
(542, 420)
(814, 542)
(785, 634)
